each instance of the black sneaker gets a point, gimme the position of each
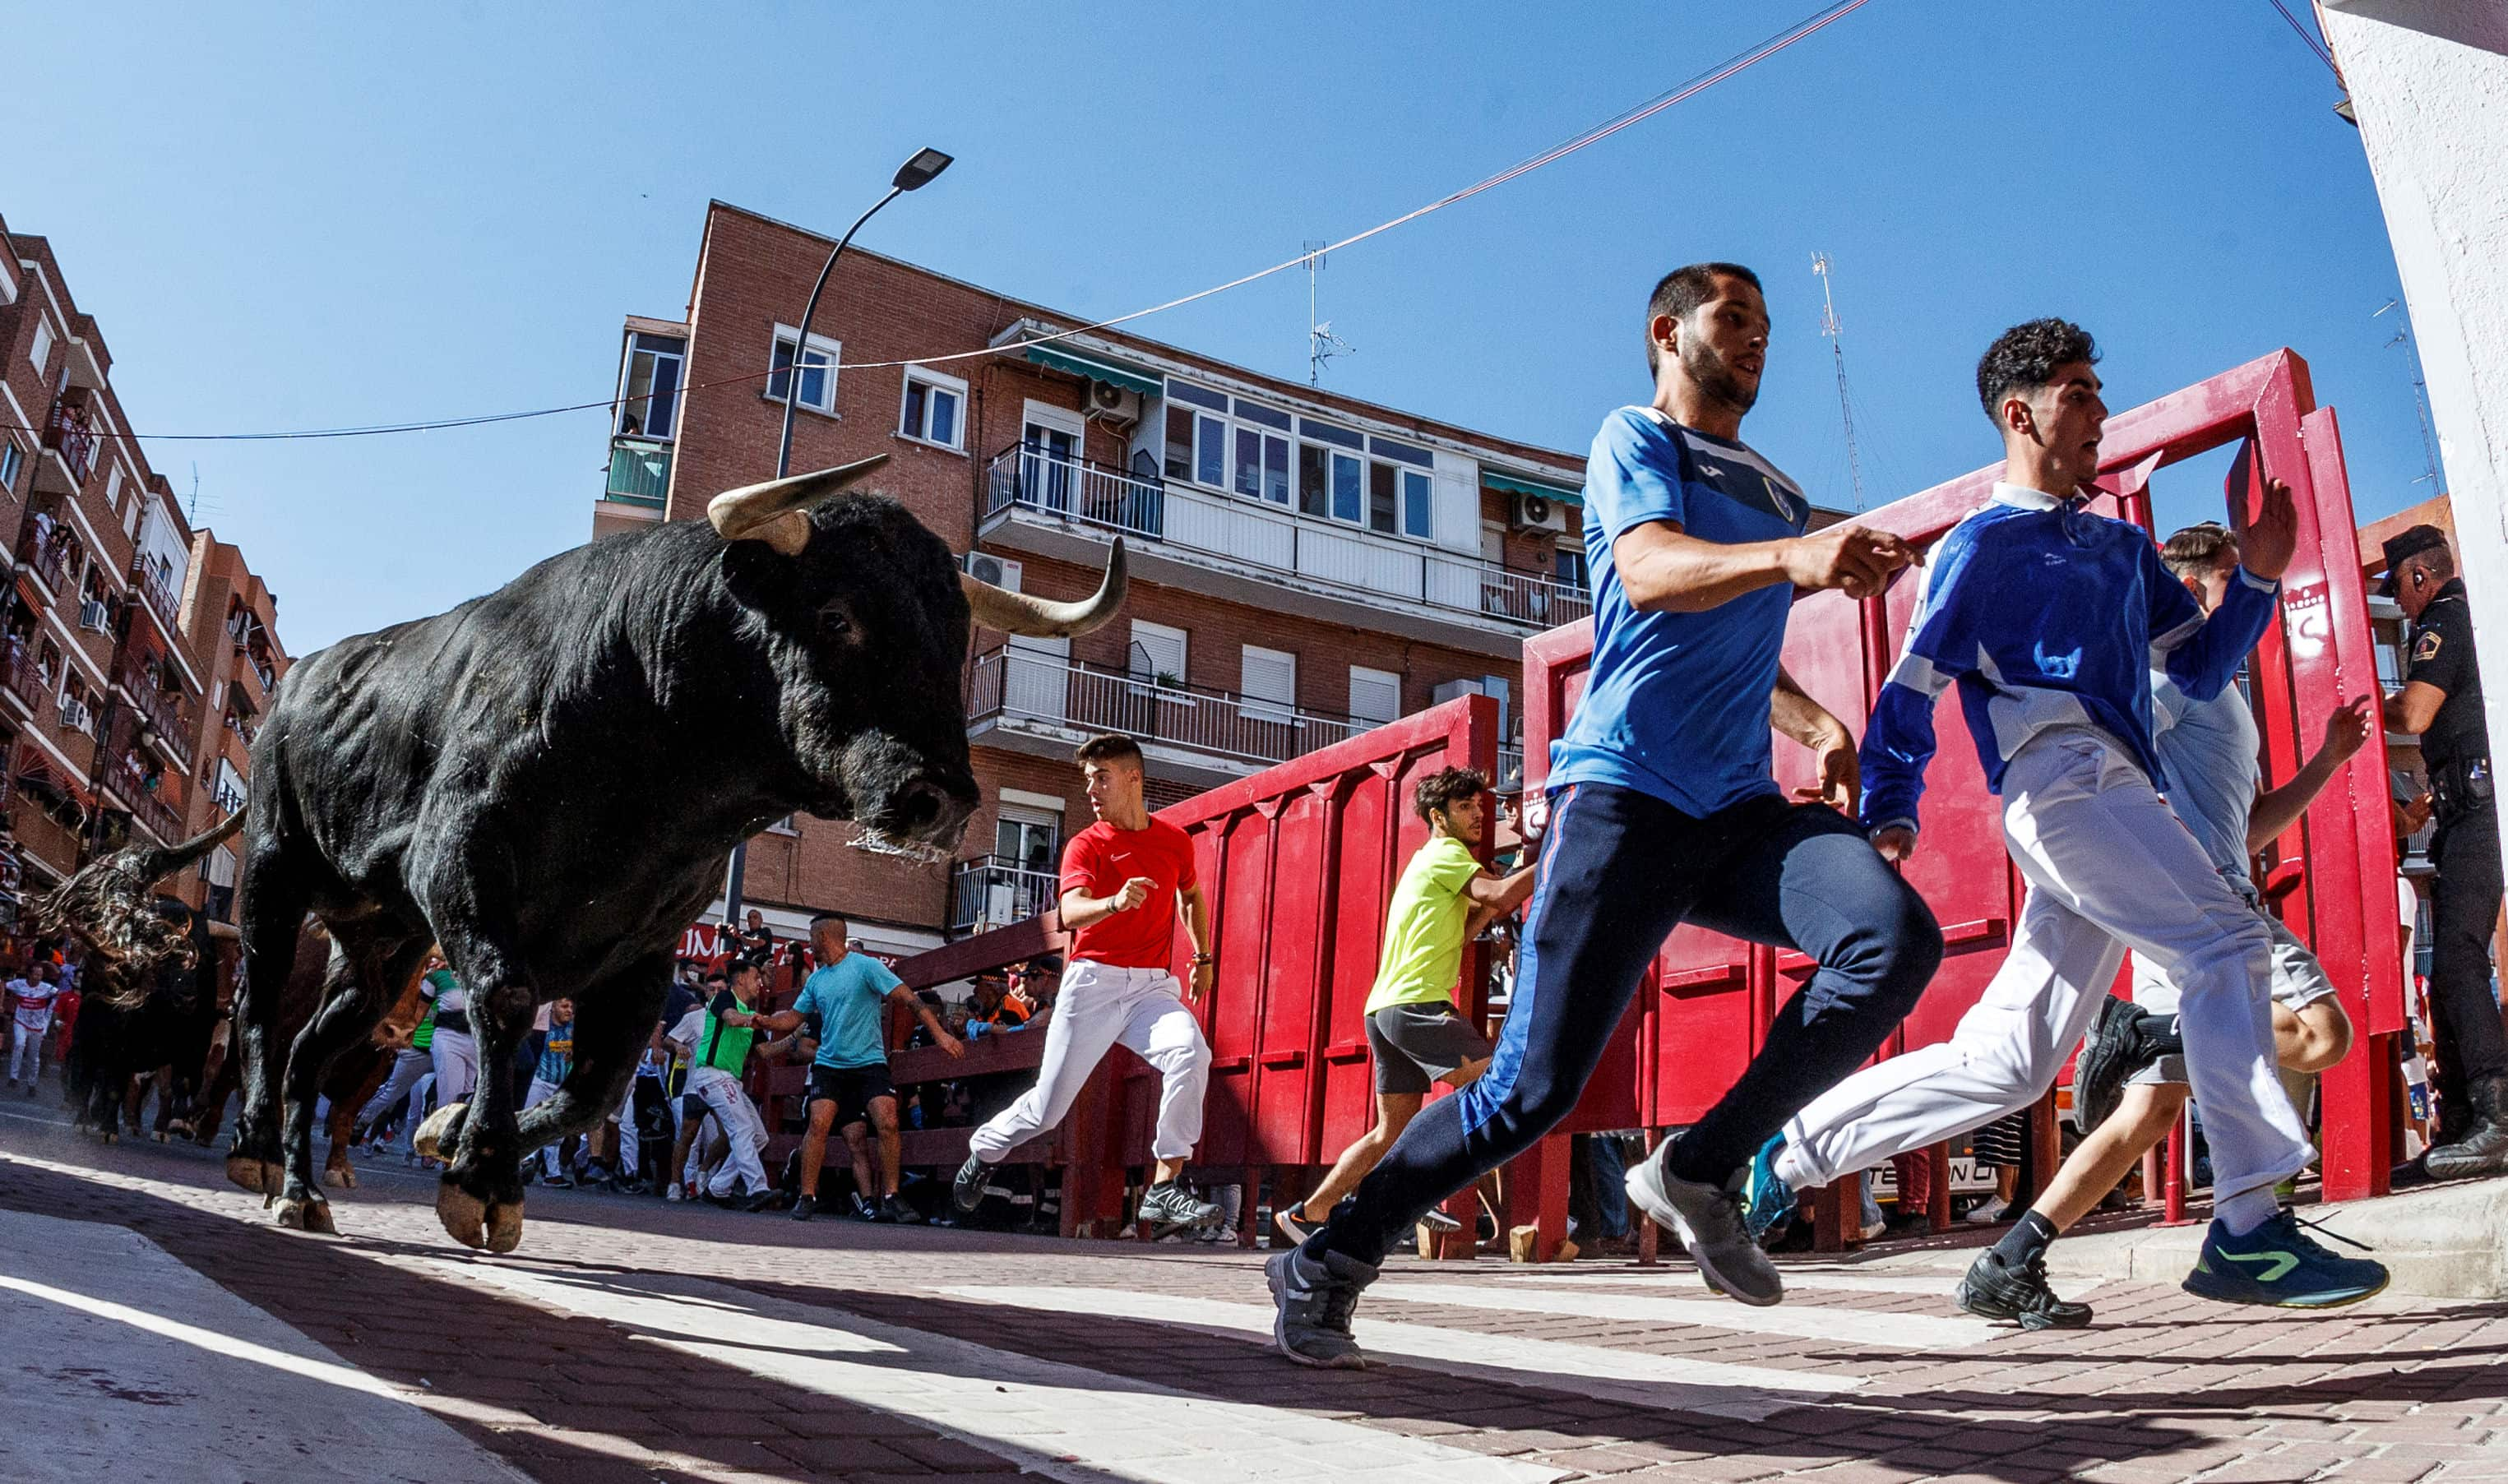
(804, 1207)
(559, 1181)
(894, 1211)
(864, 1210)
(967, 1191)
(2123, 1040)
(765, 1200)
(1168, 1206)
(2279, 1266)
(1313, 1299)
(1994, 1289)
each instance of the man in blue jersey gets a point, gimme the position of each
(2051, 620)
(1662, 810)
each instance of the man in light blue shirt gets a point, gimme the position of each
(1662, 810)
(847, 998)
(2050, 619)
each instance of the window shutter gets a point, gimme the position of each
(1269, 681)
(1375, 695)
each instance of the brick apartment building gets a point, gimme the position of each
(1305, 564)
(233, 619)
(112, 686)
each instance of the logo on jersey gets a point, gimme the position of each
(2425, 648)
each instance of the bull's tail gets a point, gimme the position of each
(107, 905)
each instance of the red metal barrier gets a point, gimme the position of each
(1714, 997)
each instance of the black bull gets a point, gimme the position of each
(548, 781)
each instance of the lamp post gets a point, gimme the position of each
(918, 172)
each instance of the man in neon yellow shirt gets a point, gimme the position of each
(1444, 897)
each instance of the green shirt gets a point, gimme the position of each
(1423, 930)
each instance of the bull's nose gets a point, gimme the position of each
(924, 809)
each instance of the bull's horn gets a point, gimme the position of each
(1013, 612)
(776, 512)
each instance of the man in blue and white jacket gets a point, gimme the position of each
(2051, 620)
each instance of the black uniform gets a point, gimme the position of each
(2465, 905)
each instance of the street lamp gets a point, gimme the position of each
(918, 172)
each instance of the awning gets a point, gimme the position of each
(1053, 357)
(1518, 484)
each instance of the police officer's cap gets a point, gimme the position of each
(2405, 544)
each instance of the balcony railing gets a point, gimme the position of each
(169, 714)
(66, 433)
(1017, 685)
(640, 471)
(993, 893)
(1369, 567)
(21, 676)
(47, 558)
(154, 588)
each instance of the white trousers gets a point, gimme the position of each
(541, 1091)
(1100, 1007)
(407, 1067)
(2109, 867)
(742, 1128)
(27, 1050)
(629, 1141)
(457, 1065)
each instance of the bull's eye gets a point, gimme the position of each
(835, 623)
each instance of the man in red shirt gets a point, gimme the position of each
(1121, 880)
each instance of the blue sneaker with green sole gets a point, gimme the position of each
(1766, 1198)
(2279, 1266)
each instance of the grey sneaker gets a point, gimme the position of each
(1314, 1299)
(1169, 1205)
(967, 1191)
(1439, 1222)
(1709, 1221)
(1294, 1226)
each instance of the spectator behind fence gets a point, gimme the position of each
(991, 1010)
(1035, 983)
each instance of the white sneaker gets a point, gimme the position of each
(1987, 1213)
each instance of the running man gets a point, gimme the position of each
(716, 1039)
(1663, 810)
(1122, 881)
(1444, 897)
(2050, 619)
(846, 999)
(2130, 1085)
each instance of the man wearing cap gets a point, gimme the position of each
(2440, 703)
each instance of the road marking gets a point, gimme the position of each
(1640, 1378)
(1683, 1276)
(1807, 1321)
(1052, 1419)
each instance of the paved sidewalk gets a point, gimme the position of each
(632, 1340)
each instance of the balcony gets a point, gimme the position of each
(160, 596)
(45, 553)
(127, 772)
(993, 893)
(168, 713)
(639, 473)
(1051, 704)
(66, 433)
(1358, 577)
(22, 680)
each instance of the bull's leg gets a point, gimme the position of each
(365, 1070)
(275, 897)
(480, 1201)
(612, 1022)
(365, 974)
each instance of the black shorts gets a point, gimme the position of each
(851, 1089)
(1417, 1044)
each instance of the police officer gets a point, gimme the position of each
(2441, 702)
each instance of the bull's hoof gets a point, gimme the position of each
(160, 1136)
(112, 1137)
(429, 1138)
(312, 1214)
(465, 1215)
(504, 1228)
(340, 1173)
(262, 1178)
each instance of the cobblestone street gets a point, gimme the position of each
(631, 1340)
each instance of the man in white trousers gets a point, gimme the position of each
(716, 1039)
(2051, 620)
(1122, 878)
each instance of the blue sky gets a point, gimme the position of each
(319, 216)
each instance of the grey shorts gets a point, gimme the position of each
(2299, 980)
(1414, 1045)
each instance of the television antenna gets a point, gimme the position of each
(2421, 391)
(1829, 328)
(1322, 345)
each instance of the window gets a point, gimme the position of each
(1375, 695)
(1157, 653)
(1569, 565)
(648, 398)
(227, 789)
(1227, 443)
(42, 349)
(1267, 679)
(934, 404)
(1031, 839)
(11, 460)
(1398, 489)
(113, 488)
(818, 370)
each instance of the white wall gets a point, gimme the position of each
(2429, 83)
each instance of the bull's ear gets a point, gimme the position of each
(759, 576)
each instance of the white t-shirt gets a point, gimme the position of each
(34, 1003)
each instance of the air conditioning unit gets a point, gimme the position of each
(1116, 404)
(75, 716)
(94, 617)
(1001, 571)
(1539, 512)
